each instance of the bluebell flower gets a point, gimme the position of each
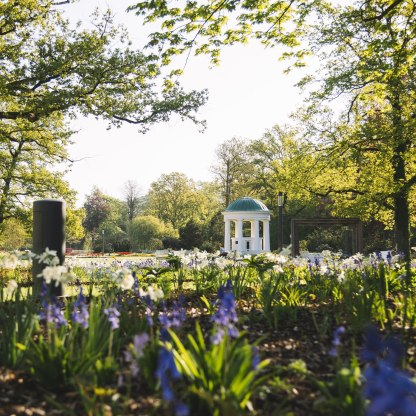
(136, 351)
(80, 314)
(336, 341)
(139, 343)
(172, 318)
(181, 409)
(136, 283)
(388, 389)
(226, 315)
(51, 310)
(54, 315)
(389, 258)
(255, 361)
(166, 372)
(113, 316)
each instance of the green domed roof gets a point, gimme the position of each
(246, 204)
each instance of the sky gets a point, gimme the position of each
(248, 94)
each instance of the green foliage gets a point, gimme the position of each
(232, 170)
(12, 235)
(18, 324)
(29, 155)
(221, 378)
(176, 200)
(49, 71)
(74, 231)
(80, 70)
(342, 393)
(100, 366)
(97, 210)
(359, 157)
(192, 235)
(146, 233)
(205, 28)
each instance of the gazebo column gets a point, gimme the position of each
(239, 234)
(227, 235)
(255, 235)
(266, 236)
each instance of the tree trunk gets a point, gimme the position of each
(402, 224)
(401, 200)
(5, 191)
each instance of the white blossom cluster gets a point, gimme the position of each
(54, 272)
(12, 260)
(124, 279)
(9, 261)
(154, 293)
(11, 286)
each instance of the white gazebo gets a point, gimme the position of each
(251, 210)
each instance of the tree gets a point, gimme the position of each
(49, 71)
(46, 67)
(106, 220)
(366, 54)
(282, 161)
(133, 198)
(192, 235)
(369, 60)
(74, 231)
(115, 226)
(12, 235)
(204, 28)
(173, 198)
(146, 233)
(97, 210)
(232, 169)
(28, 154)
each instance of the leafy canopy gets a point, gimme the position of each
(47, 67)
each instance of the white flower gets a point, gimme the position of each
(49, 257)
(324, 269)
(11, 286)
(9, 261)
(59, 274)
(155, 293)
(341, 277)
(277, 268)
(125, 279)
(221, 262)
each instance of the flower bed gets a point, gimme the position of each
(204, 335)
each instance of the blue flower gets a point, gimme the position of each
(54, 315)
(166, 372)
(336, 341)
(226, 315)
(255, 361)
(373, 345)
(181, 409)
(51, 310)
(389, 258)
(80, 314)
(136, 351)
(113, 316)
(388, 389)
(172, 319)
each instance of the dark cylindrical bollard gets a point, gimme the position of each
(48, 232)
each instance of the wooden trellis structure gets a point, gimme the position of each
(354, 223)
